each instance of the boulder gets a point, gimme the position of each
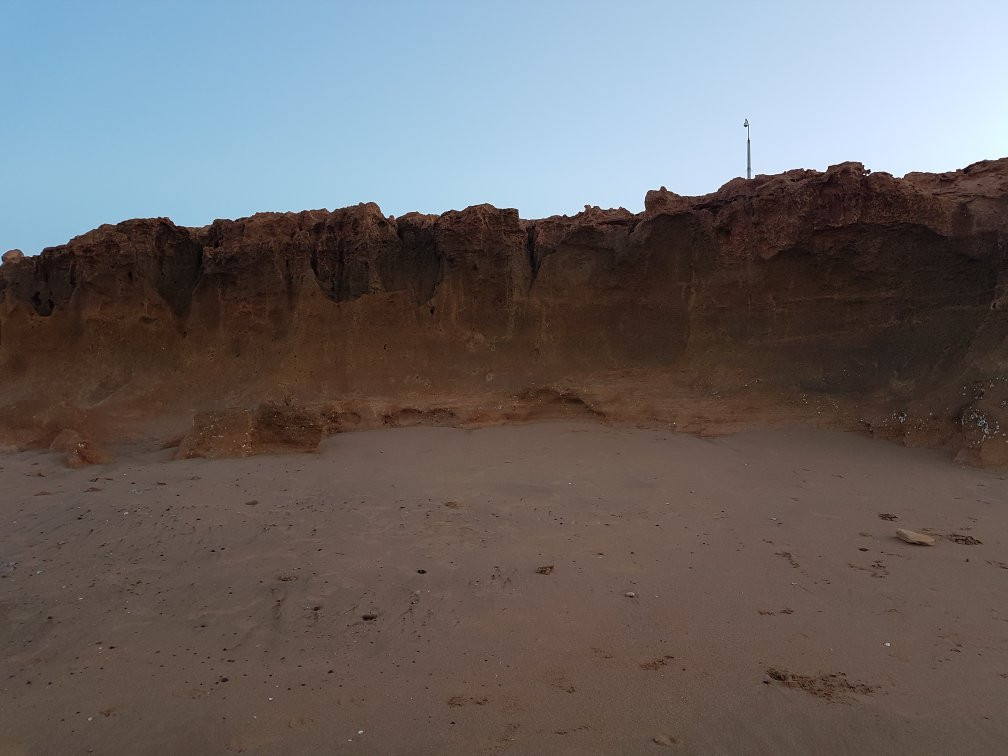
(80, 450)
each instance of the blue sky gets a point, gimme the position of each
(203, 110)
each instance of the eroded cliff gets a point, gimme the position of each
(846, 298)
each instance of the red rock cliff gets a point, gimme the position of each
(846, 298)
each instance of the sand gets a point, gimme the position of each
(545, 588)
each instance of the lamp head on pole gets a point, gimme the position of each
(748, 172)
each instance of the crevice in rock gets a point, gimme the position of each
(530, 249)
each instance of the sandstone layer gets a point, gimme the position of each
(842, 298)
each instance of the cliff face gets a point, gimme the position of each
(844, 298)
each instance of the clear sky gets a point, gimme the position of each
(200, 109)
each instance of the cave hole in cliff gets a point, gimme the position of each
(42, 307)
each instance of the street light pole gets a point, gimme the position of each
(748, 151)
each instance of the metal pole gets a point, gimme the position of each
(748, 152)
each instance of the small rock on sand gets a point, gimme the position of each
(919, 539)
(80, 450)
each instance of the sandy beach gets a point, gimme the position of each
(541, 378)
(542, 588)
